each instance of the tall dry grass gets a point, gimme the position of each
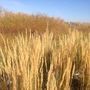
(44, 62)
(18, 22)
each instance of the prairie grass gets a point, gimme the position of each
(45, 62)
(17, 22)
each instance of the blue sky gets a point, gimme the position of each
(71, 10)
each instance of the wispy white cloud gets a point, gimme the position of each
(14, 5)
(17, 2)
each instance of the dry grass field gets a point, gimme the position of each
(49, 61)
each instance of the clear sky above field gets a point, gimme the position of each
(72, 10)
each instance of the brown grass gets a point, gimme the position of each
(43, 53)
(13, 23)
(44, 62)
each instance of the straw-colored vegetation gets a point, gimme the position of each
(40, 62)
(43, 58)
